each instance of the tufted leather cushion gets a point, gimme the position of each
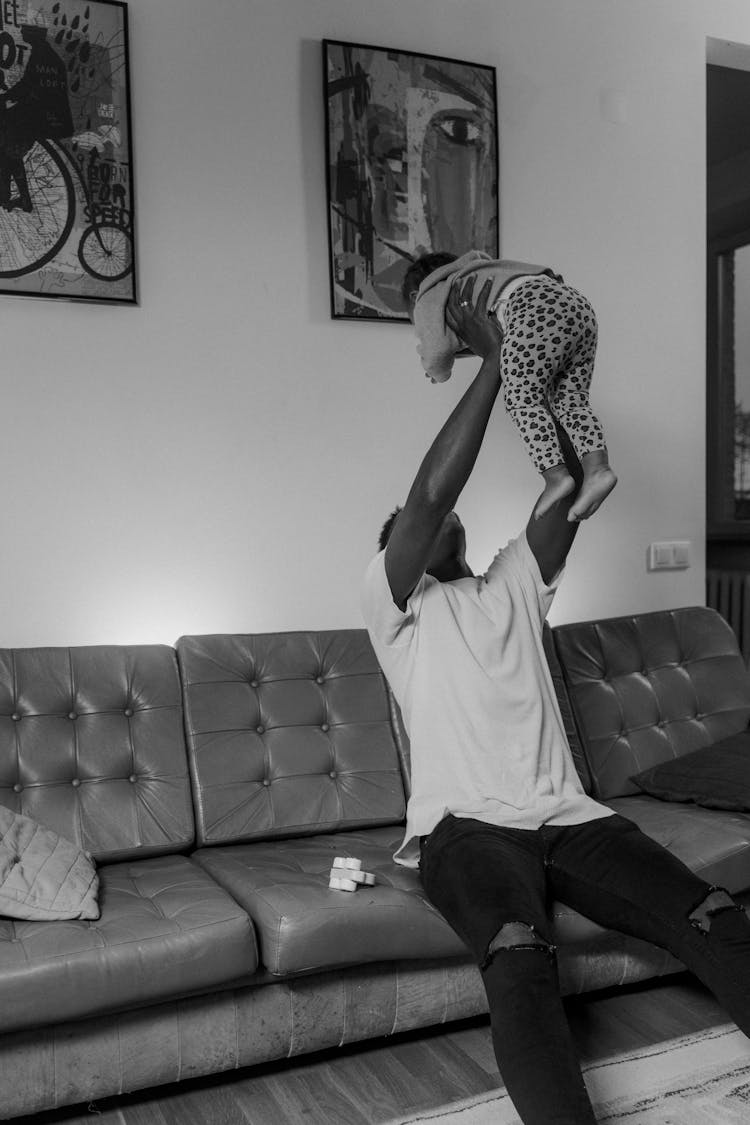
(165, 929)
(303, 925)
(288, 734)
(649, 688)
(92, 746)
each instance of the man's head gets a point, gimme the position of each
(448, 556)
(419, 269)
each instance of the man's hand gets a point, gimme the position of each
(471, 322)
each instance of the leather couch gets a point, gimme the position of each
(215, 782)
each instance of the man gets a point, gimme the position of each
(498, 821)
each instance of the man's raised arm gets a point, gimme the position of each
(451, 457)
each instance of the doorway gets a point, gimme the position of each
(728, 305)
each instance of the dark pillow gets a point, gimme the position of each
(716, 776)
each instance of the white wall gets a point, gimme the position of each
(221, 457)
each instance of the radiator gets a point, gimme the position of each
(728, 591)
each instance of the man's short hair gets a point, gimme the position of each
(421, 268)
(387, 528)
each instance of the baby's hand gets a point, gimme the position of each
(471, 322)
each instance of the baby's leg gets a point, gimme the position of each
(570, 405)
(526, 404)
(531, 357)
(587, 438)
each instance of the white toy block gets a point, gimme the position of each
(350, 864)
(364, 878)
(341, 884)
(347, 873)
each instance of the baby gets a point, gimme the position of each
(547, 361)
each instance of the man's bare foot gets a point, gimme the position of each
(558, 483)
(598, 482)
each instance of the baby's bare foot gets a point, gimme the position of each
(598, 482)
(558, 483)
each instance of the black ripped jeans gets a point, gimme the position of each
(483, 878)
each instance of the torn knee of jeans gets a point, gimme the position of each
(716, 902)
(514, 936)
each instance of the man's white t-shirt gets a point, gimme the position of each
(466, 664)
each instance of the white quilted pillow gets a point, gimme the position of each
(43, 875)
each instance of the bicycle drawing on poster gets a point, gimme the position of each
(66, 173)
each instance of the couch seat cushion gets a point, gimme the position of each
(713, 843)
(165, 929)
(303, 926)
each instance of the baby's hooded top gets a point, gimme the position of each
(437, 344)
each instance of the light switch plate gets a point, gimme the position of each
(672, 554)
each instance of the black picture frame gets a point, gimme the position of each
(412, 166)
(67, 208)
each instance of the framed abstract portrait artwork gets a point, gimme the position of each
(412, 167)
(66, 169)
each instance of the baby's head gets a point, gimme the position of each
(419, 269)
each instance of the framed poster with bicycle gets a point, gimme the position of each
(67, 221)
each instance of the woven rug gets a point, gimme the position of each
(701, 1079)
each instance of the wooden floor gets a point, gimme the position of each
(373, 1082)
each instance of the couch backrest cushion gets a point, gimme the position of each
(649, 688)
(92, 746)
(288, 734)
